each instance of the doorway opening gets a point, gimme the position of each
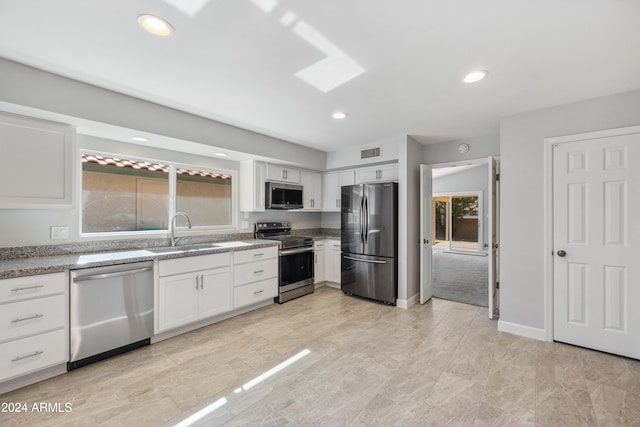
(459, 232)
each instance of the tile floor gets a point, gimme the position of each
(443, 363)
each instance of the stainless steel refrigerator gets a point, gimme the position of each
(369, 234)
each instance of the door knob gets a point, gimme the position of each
(425, 241)
(561, 253)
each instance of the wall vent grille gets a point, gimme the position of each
(368, 153)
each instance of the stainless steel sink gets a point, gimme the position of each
(198, 248)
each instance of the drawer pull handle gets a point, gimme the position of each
(257, 255)
(258, 292)
(26, 288)
(258, 272)
(19, 358)
(22, 319)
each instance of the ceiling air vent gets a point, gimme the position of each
(369, 153)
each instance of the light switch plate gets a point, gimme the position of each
(58, 233)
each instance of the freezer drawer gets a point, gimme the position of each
(370, 277)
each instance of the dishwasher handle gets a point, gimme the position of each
(114, 274)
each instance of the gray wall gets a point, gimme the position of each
(522, 194)
(480, 147)
(474, 179)
(34, 88)
(410, 155)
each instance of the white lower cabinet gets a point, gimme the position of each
(33, 324)
(333, 260)
(318, 261)
(201, 292)
(255, 276)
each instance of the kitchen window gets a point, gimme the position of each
(134, 195)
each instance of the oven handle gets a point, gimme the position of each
(370, 261)
(296, 251)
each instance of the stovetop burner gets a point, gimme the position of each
(281, 231)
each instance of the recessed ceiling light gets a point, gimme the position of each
(139, 139)
(339, 115)
(155, 25)
(221, 154)
(475, 76)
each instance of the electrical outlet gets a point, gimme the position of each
(245, 225)
(58, 233)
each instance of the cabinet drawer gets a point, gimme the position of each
(319, 244)
(251, 255)
(334, 245)
(189, 264)
(255, 292)
(32, 316)
(33, 353)
(255, 271)
(32, 286)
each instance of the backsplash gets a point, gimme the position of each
(129, 244)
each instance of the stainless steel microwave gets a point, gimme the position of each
(283, 196)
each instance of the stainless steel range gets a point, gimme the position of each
(295, 259)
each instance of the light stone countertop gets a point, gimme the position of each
(19, 267)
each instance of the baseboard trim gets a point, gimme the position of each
(522, 330)
(406, 303)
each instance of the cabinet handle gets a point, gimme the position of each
(35, 353)
(258, 272)
(201, 282)
(197, 283)
(22, 319)
(315, 258)
(257, 255)
(26, 288)
(258, 292)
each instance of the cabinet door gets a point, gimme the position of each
(282, 174)
(215, 292)
(252, 179)
(332, 186)
(318, 267)
(178, 300)
(333, 261)
(377, 174)
(312, 193)
(36, 163)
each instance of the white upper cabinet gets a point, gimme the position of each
(252, 179)
(332, 183)
(377, 174)
(36, 165)
(282, 174)
(312, 190)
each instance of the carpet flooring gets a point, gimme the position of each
(460, 277)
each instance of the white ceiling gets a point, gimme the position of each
(236, 62)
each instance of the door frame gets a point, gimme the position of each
(496, 212)
(549, 143)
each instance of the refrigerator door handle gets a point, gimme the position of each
(366, 219)
(362, 219)
(370, 261)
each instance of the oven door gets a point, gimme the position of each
(296, 268)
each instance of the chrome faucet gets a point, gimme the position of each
(175, 239)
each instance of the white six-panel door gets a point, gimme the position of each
(596, 239)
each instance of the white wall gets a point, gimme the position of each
(32, 227)
(522, 189)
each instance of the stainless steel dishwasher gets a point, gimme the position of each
(111, 311)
